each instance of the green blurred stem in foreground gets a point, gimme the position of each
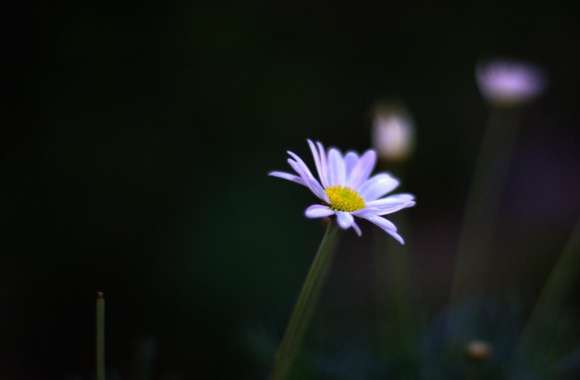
(559, 288)
(100, 359)
(307, 301)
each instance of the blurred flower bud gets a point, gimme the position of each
(478, 350)
(393, 133)
(509, 83)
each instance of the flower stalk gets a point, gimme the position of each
(307, 301)
(490, 176)
(558, 288)
(100, 337)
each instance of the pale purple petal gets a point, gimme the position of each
(356, 228)
(318, 211)
(336, 168)
(383, 222)
(362, 169)
(317, 163)
(287, 176)
(394, 199)
(308, 179)
(386, 226)
(312, 183)
(403, 197)
(350, 160)
(378, 186)
(323, 164)
(344, 219)
(387, 207)
(299, 160)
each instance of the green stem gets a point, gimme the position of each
(559, 286)
(305, 305)
(100, 359)
(562, 277)
(490, 175)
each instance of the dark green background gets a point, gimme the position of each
(144, 131)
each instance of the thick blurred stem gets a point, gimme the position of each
(559, 285)
(100, 338)
(307, 301)
(490, 175)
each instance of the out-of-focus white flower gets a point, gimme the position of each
(507, 83)
(393, 134)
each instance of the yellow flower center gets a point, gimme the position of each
(344, 199)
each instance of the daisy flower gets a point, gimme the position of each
(346, 188)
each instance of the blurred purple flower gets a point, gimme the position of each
(506, 83)
(347, 189)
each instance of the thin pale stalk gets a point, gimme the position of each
(100, 338)
(307, 301)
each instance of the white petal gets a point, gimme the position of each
(317, 162)
(403, 197)
(287, 176)
(336, 168)
(386, 210)
(378, 186)
(308, 179)
(356, 228)
(301, 162)
(318, 211)
(388, 205)
(362, 169)
(385, 225)
(302, 169)
(344, 219)
(323, 165)
(350, 160)
(382, 222)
